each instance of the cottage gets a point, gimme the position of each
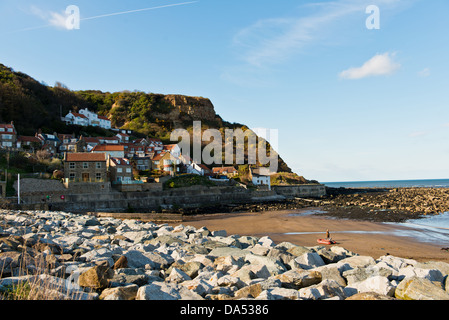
(8, 135)
(173, 149)
(120, 170)
(123, 137)
(87, 118)
(165, 161)
(225, 171)
(29, 143)
(76, 118)
(141, 163)
(85, 167)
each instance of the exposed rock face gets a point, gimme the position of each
(197, 108)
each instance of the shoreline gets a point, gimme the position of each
(369, 238)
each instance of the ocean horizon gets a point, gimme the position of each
(425, 183)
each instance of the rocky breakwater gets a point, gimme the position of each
(68, 256)
(411, 201)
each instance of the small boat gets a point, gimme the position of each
(326, 241)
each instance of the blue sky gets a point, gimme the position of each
(350, 103)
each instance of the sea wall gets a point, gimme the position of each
(87, 199)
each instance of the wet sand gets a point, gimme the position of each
(378, 240)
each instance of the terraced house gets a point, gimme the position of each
(85, 167)
(8, 135)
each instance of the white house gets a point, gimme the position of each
(261, 180)
(87, 118)
(76, 118)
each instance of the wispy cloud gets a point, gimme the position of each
(424, 73)
(379, 65)
(272, 41)
(59, 19)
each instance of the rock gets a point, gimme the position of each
(298, 250)
(324, 290)
(331, 272)
(354, 262)
(219, 233)
(198, 286)
(166, 291)
(266, 242)
(429, 274)
(177, 276)
(229, 281)
(96, 277)
(227, 251)
(420, 289)
(128, 292)
(273, 266)
(308, 261)
(377, 284)
(369, 296)
(360, 274)
(251, 291)
(279, 294)
(297, 279)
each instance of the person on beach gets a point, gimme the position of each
(328, 235)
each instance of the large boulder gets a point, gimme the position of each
(415, 288)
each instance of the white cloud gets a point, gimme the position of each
(417, 134)
(379, 65)
(54, 19)
(424, 73)
(273, 40)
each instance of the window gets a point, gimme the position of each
(72, 176)
(98, 165)
(2, 129)
(72, 165)
(85, 165)
(98, 176)
(119, 169)
(7, 137)
(128, 170)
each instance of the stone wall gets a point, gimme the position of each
(306, 190)
(90, 198)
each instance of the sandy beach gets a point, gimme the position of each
(365, 238)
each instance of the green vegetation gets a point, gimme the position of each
(188, 180)
(286, 178)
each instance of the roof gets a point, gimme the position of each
(170, 146)
(7, 125)
(159, 156)
(99, 148)
(91, 139)
(223, 170)
(103, 118)
(85, 157)
(78, 115)
(28, 138)
(121, 161)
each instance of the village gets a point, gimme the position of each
(126, 163)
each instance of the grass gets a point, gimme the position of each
(34, 281)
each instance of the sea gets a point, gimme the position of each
(434, 229)
(436, 183)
